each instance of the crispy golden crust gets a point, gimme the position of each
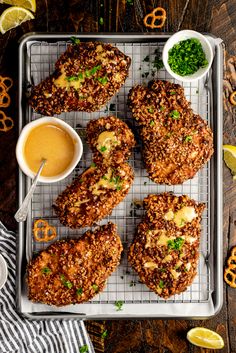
(93, 195)
(175, 145)
(121, 146)
(74, 271)
(165, 253)
(97, 86)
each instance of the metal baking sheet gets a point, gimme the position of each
(38, 54)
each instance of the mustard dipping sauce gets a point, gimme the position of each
(51, 142)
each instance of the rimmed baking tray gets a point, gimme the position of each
(37, 56)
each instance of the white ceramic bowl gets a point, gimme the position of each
(3, 271)
(183, 35)
(21, 142)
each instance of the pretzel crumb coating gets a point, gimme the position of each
(74, 270)
(165, 248)
(86, 77)
(176, 142)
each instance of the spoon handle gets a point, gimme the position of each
(22, 212)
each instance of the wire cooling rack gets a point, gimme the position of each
(124, 283)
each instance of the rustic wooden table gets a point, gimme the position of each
(215, 16)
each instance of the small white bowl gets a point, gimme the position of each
(3, 271)
(21, 142)
(183, 35)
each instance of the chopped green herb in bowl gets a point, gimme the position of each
(187, 55)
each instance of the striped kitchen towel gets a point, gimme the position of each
(19, 335)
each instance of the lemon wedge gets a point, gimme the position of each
(13, 17)
(205, 338)
(230, 158)
(27, 4)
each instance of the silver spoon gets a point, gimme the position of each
(22, 212)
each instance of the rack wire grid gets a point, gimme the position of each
(124, 283)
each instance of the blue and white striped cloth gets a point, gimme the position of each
(19, 335)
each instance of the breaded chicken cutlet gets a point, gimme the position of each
(165, 249)
(93, 195)
(176, 142)
(74, 270)
(86, 77)
(110, 139)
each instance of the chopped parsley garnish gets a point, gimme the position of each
(101, 21)
(103, 149)
(104, 334)
(79, 291)
(172, 93)
(162, 108)
(132, 284)
(162, 270)
(161, 284)
(169, 134)
(80, 181)
(157, 63)
(175, 244)
(146, 59)
(188, 138)
(72, 78)
(66, 283)
(87, 73)
(129, 2)
(118, 188)
(151, 110)
(46, 270)
(185, 269)
(102, 80)
(75, 40)
(104, 177)
(152, 123)
(95, 69)
(93, 165)
(112, 107)
(84, 349)
(186, 57)
(95, 287)
(182, 222)
(118, 305)
(174, 114)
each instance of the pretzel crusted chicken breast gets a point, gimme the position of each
(165, 249)
(176, 142)
(87, 75)
(110, 139)
(74, 270)
(93, 195)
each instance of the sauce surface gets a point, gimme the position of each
(51, 142)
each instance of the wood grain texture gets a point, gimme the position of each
(215, 16)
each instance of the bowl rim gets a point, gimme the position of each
(4, 271)
(22, 138)
(197, 35)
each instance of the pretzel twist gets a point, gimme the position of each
(152, 15)
(232, 98)
(230, 270)
(43, 231)
(6, 123)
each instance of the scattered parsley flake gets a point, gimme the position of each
(146, 59)
(129, 2)
(93, 165)
(46, 270)
(118, 305)
(102, 80)
(151, 110)
(172, 93)
(103, 149)
(101, 21)
(84, 349)
(66, 283)
(162, 108)
(152, 123)
(104, 334)
(95, 287)
(79, 291)
(161, 284)
(188, 138)
(75, 40)
(174, 114)
(175, 244)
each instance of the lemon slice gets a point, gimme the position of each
(27, 4)
(230, 158)
(205, 338)
(13, 17)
